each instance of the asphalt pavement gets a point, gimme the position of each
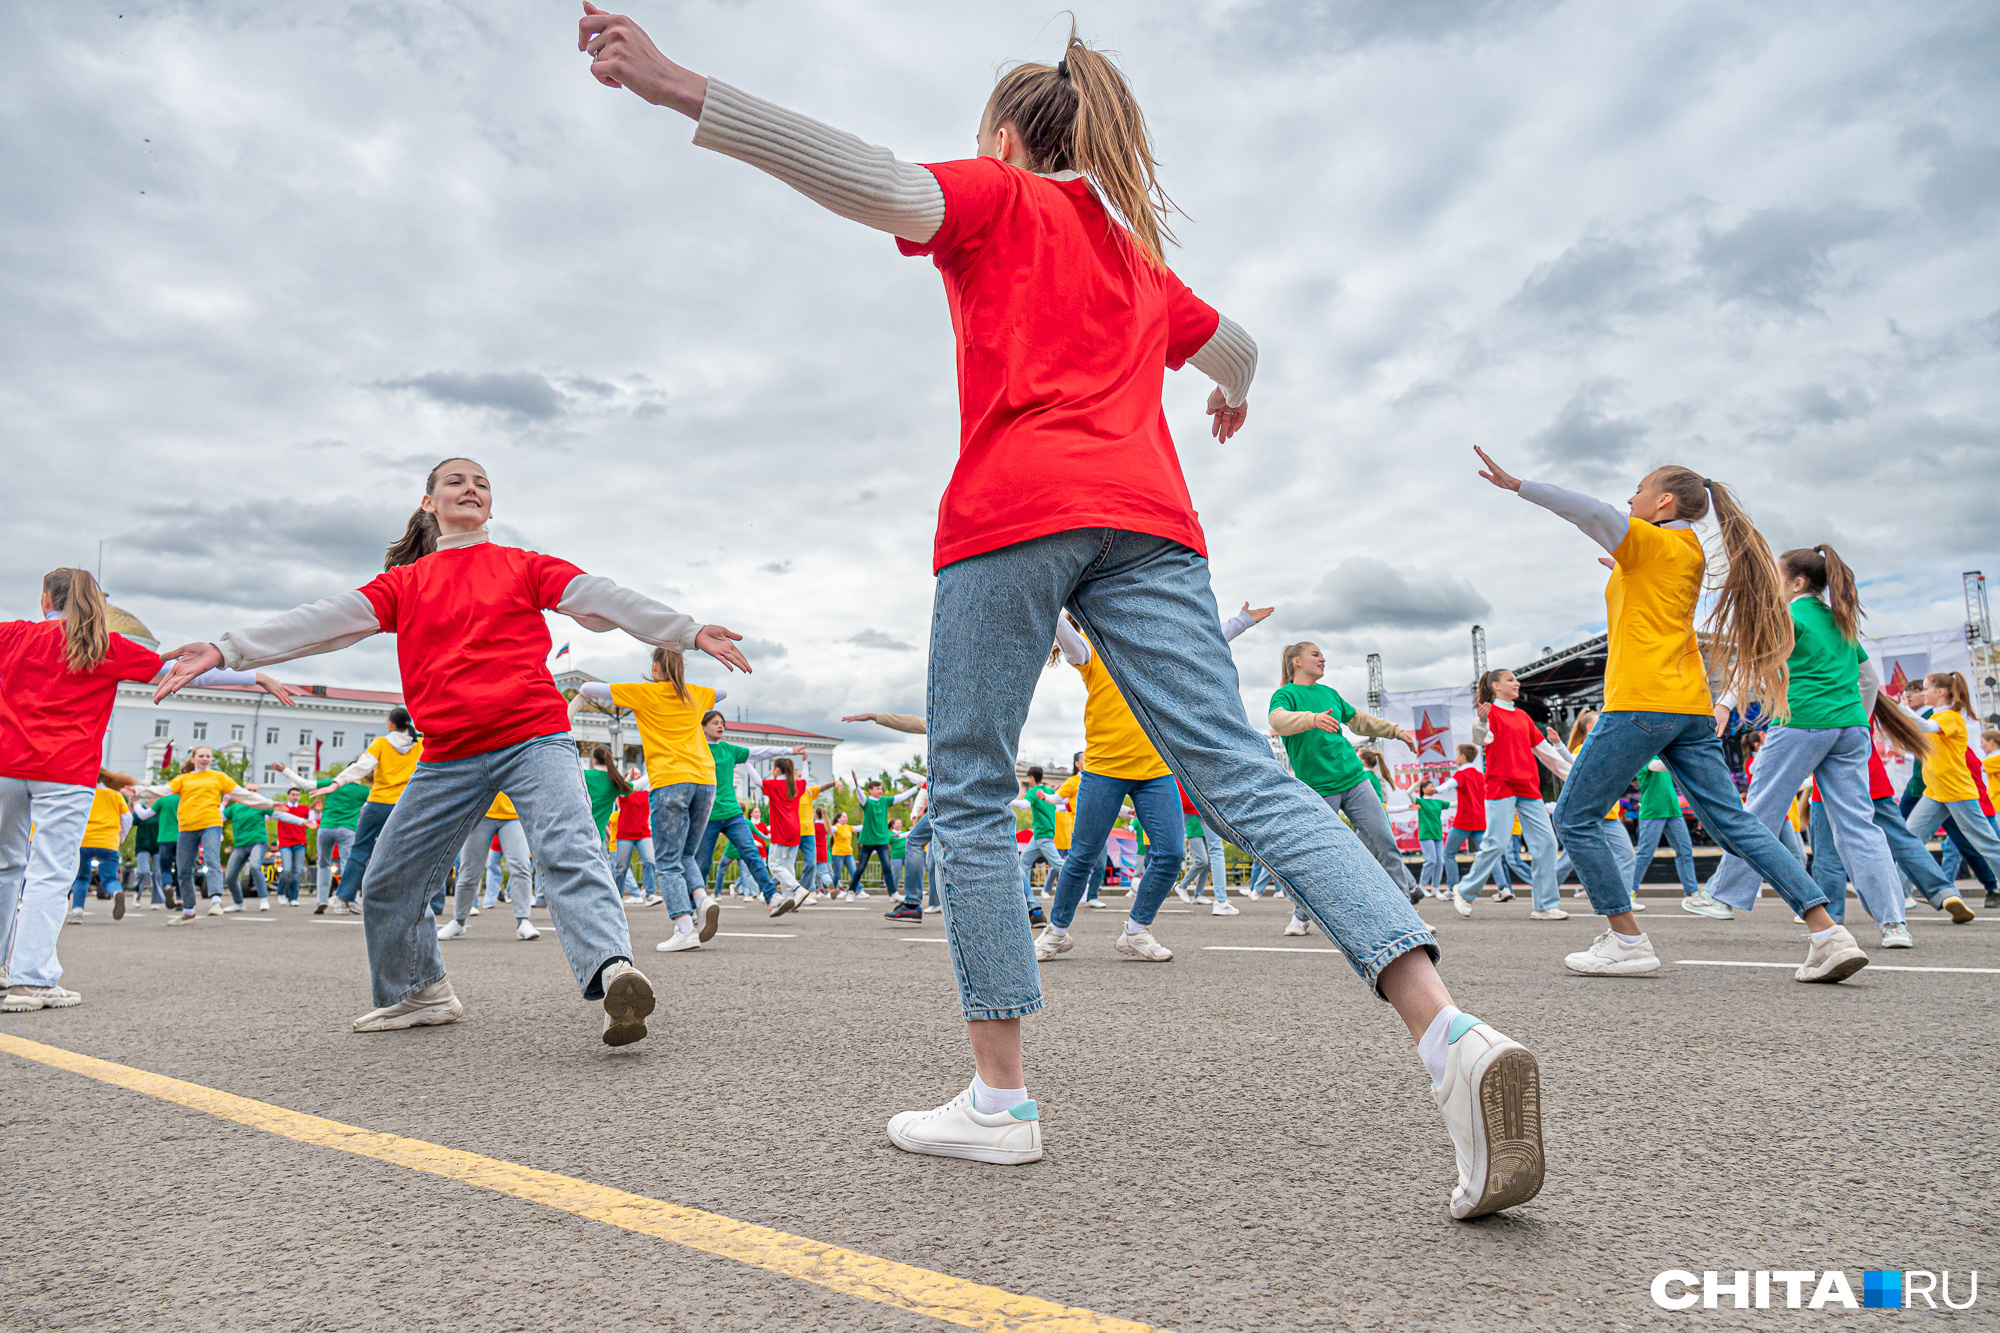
(1240, 1139)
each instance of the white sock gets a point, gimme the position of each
(992, 1101)
(1623, 938)
(1432, 1047)
(1054, 929)
(683, 925)
(699, 899)
(1133, 927)
(1822, 936)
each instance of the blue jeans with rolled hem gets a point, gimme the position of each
(1145, 604)
(428, 829)
(1912, 858)
(916, 861)
(208, 842)
(1678, 837)
(1540, 836)
(1838, 757)
(680, 827)
(737, 829)
(367, 829)
(1098, 800)
(1619, 746)
(1453, 840)
(104, 860)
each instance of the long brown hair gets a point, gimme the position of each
(115, 781)
(1825, 572)
(1079, 115)
(86, 637)
(420, 535)
(670, 665)
(1581, 728)
(790, 771)
(1287, 657)
(1953, 683)
(1902, 732)
(1749, 629)
(601, 756)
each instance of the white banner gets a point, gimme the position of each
(1441, 720)
(1909, 657)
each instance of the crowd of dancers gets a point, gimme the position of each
(1066, 536)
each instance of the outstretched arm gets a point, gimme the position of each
(595, 602)
(1601, 522)
(1075, 650)
(321, 627)
(910, 723)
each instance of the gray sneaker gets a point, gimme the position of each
(432, 1005)
(628, 998)
(22, 999)
(1701, 904)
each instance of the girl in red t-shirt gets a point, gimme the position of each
(1516, 751)
(473, 649)
(1068, 492)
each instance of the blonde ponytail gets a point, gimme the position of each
(86, 632)
(670, 665)
(1750, 627)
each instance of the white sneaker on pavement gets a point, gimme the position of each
(1609, 956)
(451, 930)
(1052, 942)
(710, 913)
(1909, 902)
(957, 1129)
(1225, 909)
(233, 907)
(1491, 1098)
(678, 942)
(23, 999)
(628, 998)
(1551, 914)
(76, 914)
(1461, 906)
(1141, 944)
(263, 904)
(1094, 902)
(1504, 896)
(1298, 926)
(524, 929)
(1897, 936)
(1638, 906)
(432, 1005)
(1180, 892)
(215, 907)
(1701, 904)
(1835, 958)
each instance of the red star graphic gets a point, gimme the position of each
(1427, 733)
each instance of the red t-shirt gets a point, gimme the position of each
(1979, 781)
(1510, 754)
(293, 835)
(473, 646)
(1065, 332)
(819, 841)
(52, 719)
(1470, 816)
(635, 816)
(784, 811)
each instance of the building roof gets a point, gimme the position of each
(773, 729)
(120, 621)
(321, 692)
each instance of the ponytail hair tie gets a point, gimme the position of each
(1062, 67)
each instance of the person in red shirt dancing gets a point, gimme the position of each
(473, 650)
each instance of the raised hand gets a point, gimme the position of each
(1228, 420)
(1326, 721)
(718, 643)
(1484, 710)
(1257, 613)
(276, 689)
(859, 717)
(191, 660)
(623, 56)
(1496, 474)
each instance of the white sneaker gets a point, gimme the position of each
(1701, 904)
(628, 998)
(710, 913)
(432, 1005)
(1492, 1103)
(782, 904)
(1052, 942)
(1141, 944)
(956, 1129)
(1097, 903)
(22, 999)
(1609, 956)
(1897, 936)
(1298, 926)
(1909, 902)
(678, 942)
(843, 896)
(861, 893)
(1835, 958)
(1461, 906)
(215, 907)
(77, 914)
(524, 929)
(233, 907)
(1180, 892)
(1225, 909)
(651, 900)
(451, 930)
(263, 904)
(1504, 896)
(633, 900)
(472, 911)
(1552, 914)
(1638, 906)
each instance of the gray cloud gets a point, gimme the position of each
(1594, 279)
(1587, 441)
(1781, 258)
(875, 638)
(520, 393)
(1291, 29)
(1366, 593)
(1963, 188)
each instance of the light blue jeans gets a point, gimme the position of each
(1205, 864)
(1973, 825)
(1044, 849)
(1620, 839)
(1540, 836)
(1157, 802)
(246, 857)
(209, 842)
(1838, 757)
(291, 869)
(1619, 746)
(680, 820)
(1146, 605)
(333, 840)
(1433, 850)
(621, 863)
(428, 827)
(1912, 858)
(1678, 837)
(916, 861)
(476, 871)
(1453, 840)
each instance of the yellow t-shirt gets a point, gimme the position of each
(1113, 745)
(807, 795)
(843, 840)
(1066, 819)
(107, 807)
(1653, 664)
(201, 794)
(670, 730)
(1991, 763)
(1947, 777)
(393, 770)
(502, 808)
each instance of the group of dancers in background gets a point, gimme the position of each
(1050, 243)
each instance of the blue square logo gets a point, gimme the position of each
(1882, 1289)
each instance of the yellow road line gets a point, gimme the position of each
(848, 1272)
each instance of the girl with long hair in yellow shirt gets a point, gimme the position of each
(1950, 795)
(1657, 701)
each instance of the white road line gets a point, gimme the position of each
(1872, 967)
(321, 921)
(1262, 948)
(922, 939)
(753, 935)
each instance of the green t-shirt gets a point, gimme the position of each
(1042, 811)
(167, 815)
(875, 821)
(343, 805)
(603, 797)
(1657, 797)
(727, 757)
(1375, 781)
(1194, 828)
(1323, 760)
(897, 843)
(1430, 818)
(1825, 670)
(246, 824)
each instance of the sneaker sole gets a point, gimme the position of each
(711, 920)
(1135, 954)
(966, 1152)
(118, 905)
(433, 1016)
(628, 999)
(787, 905)
(1618, 970)
(1510, 1111)
(1960, 913)
(1839, 968)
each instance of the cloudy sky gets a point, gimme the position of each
(265, 264)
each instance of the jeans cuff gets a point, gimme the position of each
(1371, 971)
(1000, 1015)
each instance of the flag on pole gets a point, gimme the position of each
(562, 652)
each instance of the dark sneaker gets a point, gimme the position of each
(905, 912)
(1037, 917)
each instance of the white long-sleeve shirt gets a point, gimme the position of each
(600, 690)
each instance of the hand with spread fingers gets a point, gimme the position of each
(717, 643)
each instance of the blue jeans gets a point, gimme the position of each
(621, 863)
(1364, 813)
(1619, 746)
(1540, 836)
(208, 842)
(878, 850)
(1958, 850)
(367, 829)
(916, 861)
(1912, 858)
(333, 840)
(103, 860)
(1453, 840)
(680, 825)
(737, 829)
(1838, 757)
(1969, 820)
(247, 857)
(843, 865)
(1038, 849)
(1098, 799)
(781, 863)
(1146, 605)
(1433, 850)
(291, 869)
(1211, 867)
(428, 828)
(1678, 837)
(477, 871)
(1621, 847)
